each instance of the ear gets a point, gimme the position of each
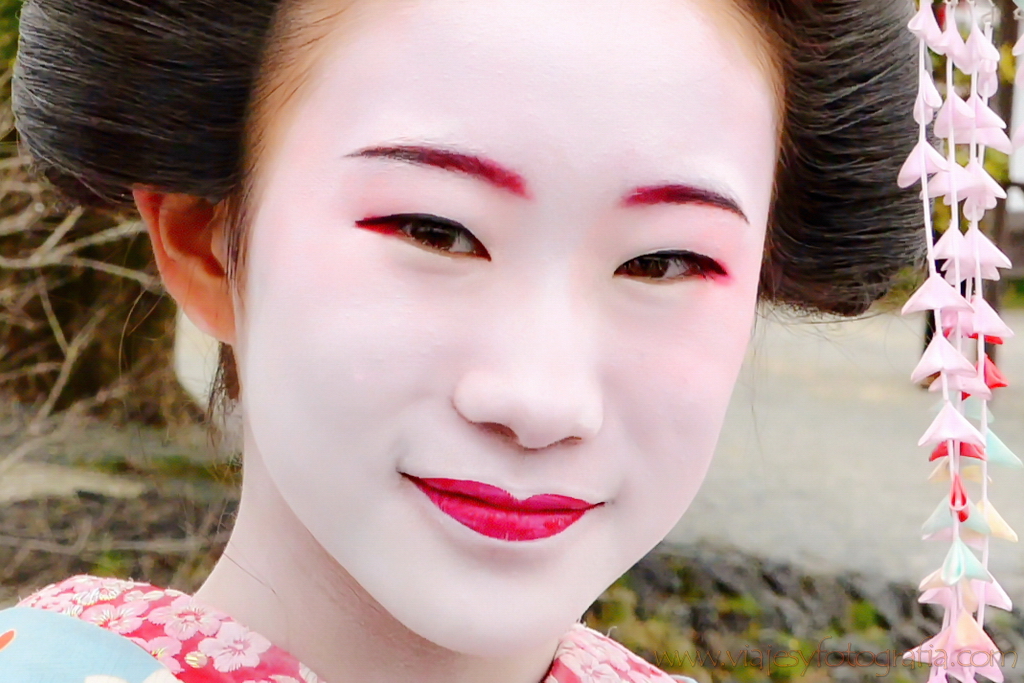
(189, 239)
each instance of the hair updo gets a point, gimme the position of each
(110, 94)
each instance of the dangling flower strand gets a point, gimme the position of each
(965, 323)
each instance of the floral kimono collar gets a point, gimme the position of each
(197, 644)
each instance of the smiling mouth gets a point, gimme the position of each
(495, 513)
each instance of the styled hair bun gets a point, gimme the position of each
(109, 94)
(842, 229)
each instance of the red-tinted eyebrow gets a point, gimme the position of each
(683, 194)
(449, 160)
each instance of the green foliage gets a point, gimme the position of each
(743, 605)
(738, 638)
(864, 616)
(9, 13)
(111, 564)
(185, 466)
(1014, 295)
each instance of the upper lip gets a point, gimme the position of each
(500, 498)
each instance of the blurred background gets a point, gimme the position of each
(805, 538)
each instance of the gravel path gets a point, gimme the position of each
(818, 462)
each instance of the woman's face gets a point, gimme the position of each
(505, 247)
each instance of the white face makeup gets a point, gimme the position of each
(454, 276)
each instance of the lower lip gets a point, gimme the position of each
(502, 523)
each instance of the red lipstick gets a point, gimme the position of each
(495, 513)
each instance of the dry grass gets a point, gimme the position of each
(168, 539)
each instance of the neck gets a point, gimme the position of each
(277, 580)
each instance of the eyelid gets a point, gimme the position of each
(716, 268)
(709, 267)
(390, 224)
(391, 219)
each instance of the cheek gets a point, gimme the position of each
(673, 388)
(333, 326)
(349, 338)
(340, 354)
(317, 327)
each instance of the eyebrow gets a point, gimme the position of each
(449, 160)
(508, 180)
(683, 194)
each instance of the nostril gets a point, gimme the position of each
(500, 430)
(507, 434)
(528, 412)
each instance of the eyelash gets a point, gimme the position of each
(407, 225)
(447, 237)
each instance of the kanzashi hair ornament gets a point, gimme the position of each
(960, 439)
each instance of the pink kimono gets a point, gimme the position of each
(93, 630)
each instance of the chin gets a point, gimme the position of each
(498, 603)
(498, 628)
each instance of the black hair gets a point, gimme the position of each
(110, 94)
(841, 230)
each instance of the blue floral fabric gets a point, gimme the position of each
(37, 646)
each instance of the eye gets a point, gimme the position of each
(430, 232)
(671, 265)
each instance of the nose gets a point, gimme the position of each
(539, 385)
(533, 411)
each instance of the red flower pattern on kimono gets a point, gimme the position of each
(198, 644)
